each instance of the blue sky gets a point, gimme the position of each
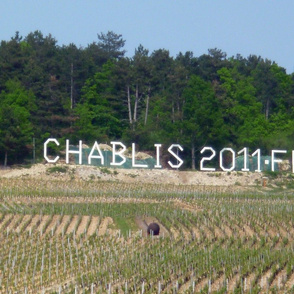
(261, 27)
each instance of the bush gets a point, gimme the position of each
(56, 169)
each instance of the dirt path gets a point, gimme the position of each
(186, 206)
(33, 223)
(248, 282)
(53, 224)
(72, 225)
(104, 225)
(13, 222)
(263, 282)
(93, 225)
(6, 220)
(233, 282)
(218, 233)
(44, 219)
(290, 282)
(24, 221)
(248, 231)
(82, 227)
(278, 282)
(207, 232)
(227, 230)
(142, 225)
(62, 225)
(200, 286)
(218, 283)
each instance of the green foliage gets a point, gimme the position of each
(97, 118)
(16, 128)
(57, 169)
(105, 170)
(271, 174)
(96, 93)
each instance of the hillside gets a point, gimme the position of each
(157, 176)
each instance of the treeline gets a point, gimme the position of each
(96, 93)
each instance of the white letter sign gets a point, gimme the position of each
(276, 160)
(134, 164)
(119, 153)
(175, 155)
(67, 152)
(207, 158)
(221, 159)
(45, 150)
(96, 156)
(158, 165)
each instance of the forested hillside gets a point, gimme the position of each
(98, 94)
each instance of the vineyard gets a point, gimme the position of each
(90, 236)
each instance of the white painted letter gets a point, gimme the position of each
(45, 150)
(158, 165)
(73, 152)
(245, 151)
(257, 151)
(175, 155)
(207, 158)
(96, 156)
(119, 153)
(133, 158)
(292, 161)
(276, 160)
(221, 159)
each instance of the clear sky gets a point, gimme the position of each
(260, 27)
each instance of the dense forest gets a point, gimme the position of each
(98, 94)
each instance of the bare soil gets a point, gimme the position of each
(156, 176)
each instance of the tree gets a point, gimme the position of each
(241, 110)
(97, 115)
(16, 129)
(209, 64)
(202, 121)
(141, 68)
(12, 60)
(111, 44)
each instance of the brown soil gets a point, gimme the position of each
(227, 230)
(185, 206)
(13, 222)
(218, 284)
(233, 282)
(93, 225)
(72, 224)
(218, 232)
(248, 283)
(25, 219)
(82, 227)
(249, 232)
(33, 223)
(54, 223)
(43, 222)
(104, 225)
(64, 221)
(263, 282)
(199, 286)
(279, 279)
(7, 218)
(290, 282)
